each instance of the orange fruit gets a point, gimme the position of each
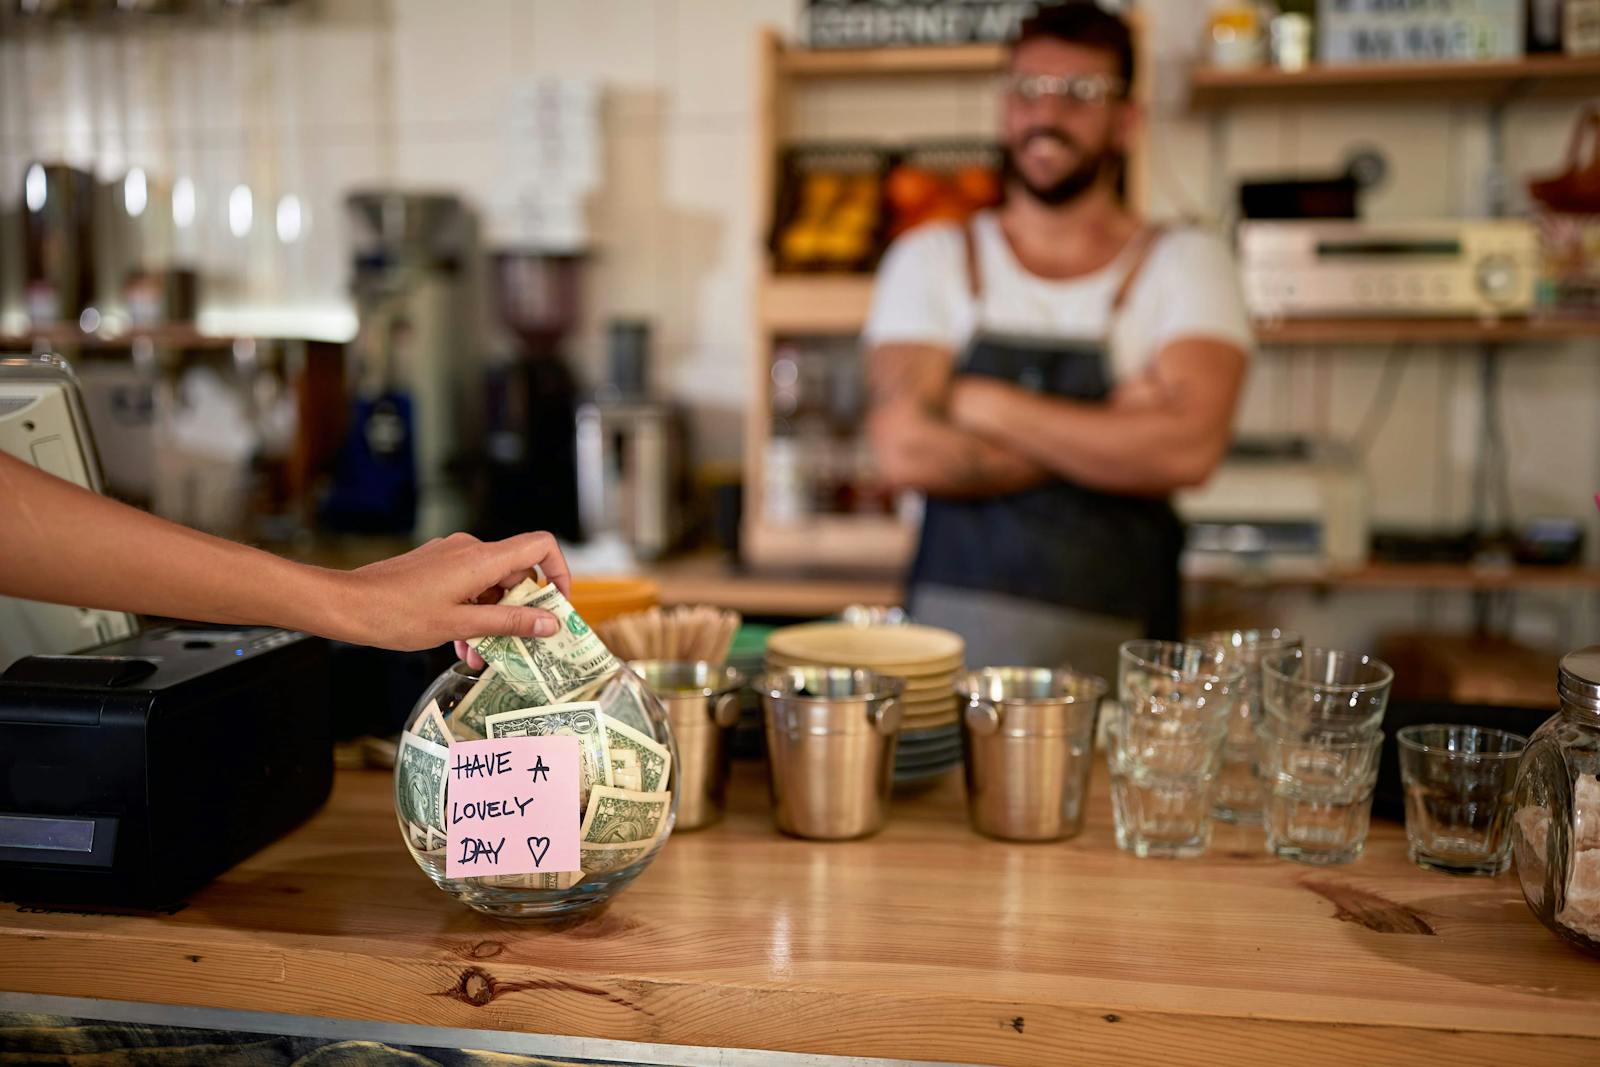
(978, 185)
(912, 189)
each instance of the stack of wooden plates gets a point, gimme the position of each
(928, 659)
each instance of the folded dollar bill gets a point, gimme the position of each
(651, 760)
(582, 721)
(622, 816)
(548, 670)
(489, 695)
(420, 770)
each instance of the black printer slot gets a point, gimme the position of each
(82, 672)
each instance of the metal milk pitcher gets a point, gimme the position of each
(1028, 736)
(702, 702)
(830, 739)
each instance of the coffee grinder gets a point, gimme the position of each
(529, 470)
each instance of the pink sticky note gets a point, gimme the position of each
(511, 806)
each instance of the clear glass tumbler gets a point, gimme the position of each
(1326, 691)
(1459, 782)
(1238, 798)
(1318, 792)
(1166, 735)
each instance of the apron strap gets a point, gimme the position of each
(1144, 243)
(974, 274)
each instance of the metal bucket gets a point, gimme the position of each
(830, 739)
(1028, 735)
(702, 702)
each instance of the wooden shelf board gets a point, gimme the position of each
(865, 62)
(1213, 87)
(173, 336)
(814, 303)
(838, 304)
(1438, 576)
(713, 580)
(857, 543)
(1420, 331)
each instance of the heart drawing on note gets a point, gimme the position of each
(537, 847)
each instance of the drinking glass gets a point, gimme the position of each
(1326, 691)
(1238, 798)
(1458, 782)
(1318, 789)
(1166, 735)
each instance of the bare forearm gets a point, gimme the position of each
(937, 458)
(66, 545)
(1163, 430)
(913, 440)
(1141, 452)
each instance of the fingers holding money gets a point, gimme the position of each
(446, 590)
(516, 558)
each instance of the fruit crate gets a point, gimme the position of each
(829, 214)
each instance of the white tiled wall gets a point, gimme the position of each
(413, 93)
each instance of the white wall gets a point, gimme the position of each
(411, 92)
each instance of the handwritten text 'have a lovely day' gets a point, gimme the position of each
(511, 806)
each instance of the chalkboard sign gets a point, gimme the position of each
(1379, 31)
(879, 23)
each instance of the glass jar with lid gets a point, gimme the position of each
(1555, 833)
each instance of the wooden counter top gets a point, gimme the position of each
(926, 942)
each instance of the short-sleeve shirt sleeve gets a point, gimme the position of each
(1191, 290)
(917, 295)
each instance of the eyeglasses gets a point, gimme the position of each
(1069, 89)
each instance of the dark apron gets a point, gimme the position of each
(1057, 573)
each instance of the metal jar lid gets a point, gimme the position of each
(1578, 682)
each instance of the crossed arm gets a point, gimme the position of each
(974, 436)
(915, 444)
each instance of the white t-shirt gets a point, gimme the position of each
(1187, 288)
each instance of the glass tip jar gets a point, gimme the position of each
(627, 771)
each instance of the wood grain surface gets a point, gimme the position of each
(926, 942)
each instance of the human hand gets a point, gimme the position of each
(449, 590)
(977, 399)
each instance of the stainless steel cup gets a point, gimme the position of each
(830, 739)
(702, 702)
(1029, 739)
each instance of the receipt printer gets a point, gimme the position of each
(134, 773)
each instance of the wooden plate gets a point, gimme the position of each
(881, 648)
(917, 674)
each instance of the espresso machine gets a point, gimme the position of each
(632, 474)
(415, 367)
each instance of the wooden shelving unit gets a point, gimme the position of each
(1210, 87)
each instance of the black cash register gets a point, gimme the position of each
(134, 773)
